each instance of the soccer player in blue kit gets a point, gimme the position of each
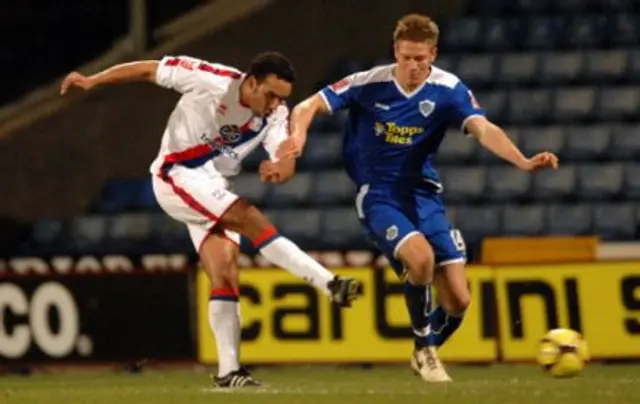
(398, 117)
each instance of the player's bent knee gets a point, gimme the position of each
(244, 218)
(458, 303)
(417, 256)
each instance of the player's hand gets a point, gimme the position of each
(541, 161)
(75, 79)
(274, 173)
(290, 148)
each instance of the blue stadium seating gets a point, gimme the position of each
(562, 76)
(341, 228)
(615, 221)
(632, 181)
(507, 183)
(463, 183)
(302, 226)
(294, 192)
(600, 182)
(569, 220)
(555, 185)
(588, 142)
(523, 220)
(476, 222)
(333, 187)
(251, 187)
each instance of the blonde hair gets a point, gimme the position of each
(416, 28)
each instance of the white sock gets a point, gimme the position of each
(224, 320)
(285, 254)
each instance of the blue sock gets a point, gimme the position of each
(418, 300)
(443, 325)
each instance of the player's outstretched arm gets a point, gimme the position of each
(127, 72)
(493, 138)
(300, 120)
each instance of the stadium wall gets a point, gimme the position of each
(90, 310)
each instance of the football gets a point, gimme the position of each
(563, 353)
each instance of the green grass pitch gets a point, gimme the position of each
(500, 384)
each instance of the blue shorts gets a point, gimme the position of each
(390, 219)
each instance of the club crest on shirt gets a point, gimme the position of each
(426, 107)
(230, 134)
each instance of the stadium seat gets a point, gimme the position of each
(562, 67)
(169, 235)
(632, 74)
(543, 32)
(494, 103)
(333, 187)
(574, 104)
(619, 103)
(463, 184)
(545, 138)
(600, 181)
(118, 196)
(294, 192)
(523, 220)
(584, 31)
(624, 29)
(447, 62)
(301, 226)
(529, 106)
(507, 183)
(569, 220)
(87, 232)
(476, 222)
(466, 35)
(250, 186)
(322, 150)
(632, 181)
(476, 70)
(129, 228)
(48, 232)
(615, 221)
(588, 142)
(606, 66)
(549, 185)
(342, 230)
(626, 142)
(501, 33)
(517, 68)
(456, 148)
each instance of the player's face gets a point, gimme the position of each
(414, 60)
(268, 94)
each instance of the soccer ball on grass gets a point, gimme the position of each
(563, 353)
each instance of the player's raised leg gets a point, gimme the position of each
(246, 219)
(219, 251)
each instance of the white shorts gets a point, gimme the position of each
(198, 197)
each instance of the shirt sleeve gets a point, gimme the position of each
(464, 106)
(341, 94)
(277, 131)
(180, 73)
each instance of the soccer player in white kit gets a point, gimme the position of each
(221, 117)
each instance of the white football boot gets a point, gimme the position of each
(426, 364)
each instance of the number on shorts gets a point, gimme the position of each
(458, 241)
(219, 194)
